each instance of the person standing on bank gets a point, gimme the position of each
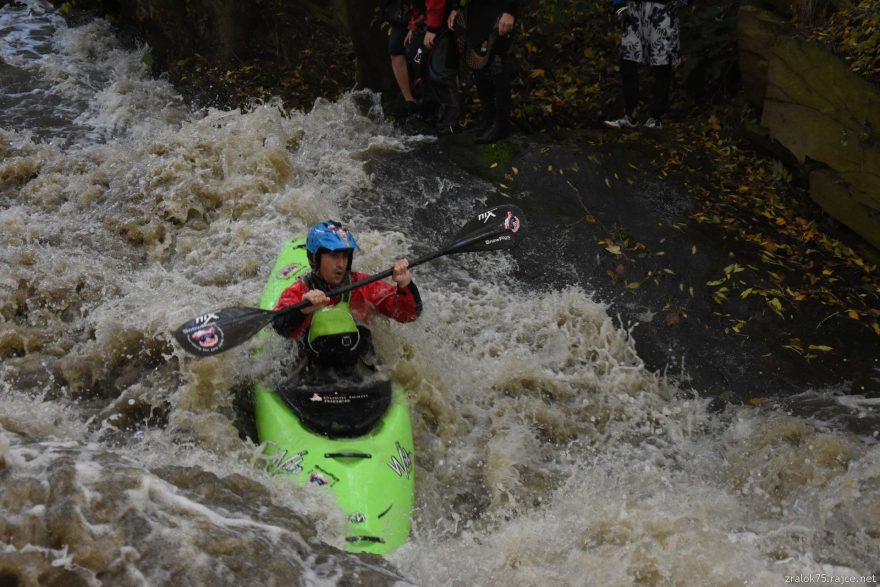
(488, 26)
(408, 18)
(650, 37)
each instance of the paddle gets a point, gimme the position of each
(501, 227)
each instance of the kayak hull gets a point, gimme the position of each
(371, 476)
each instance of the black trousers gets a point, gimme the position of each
(629, 71)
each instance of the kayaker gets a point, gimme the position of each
(330, 249)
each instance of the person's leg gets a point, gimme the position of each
(501, 76)
(443, 76)
(486, 93)
(401, 74)
(398, 63)
(632, 52)
(663, 81)
(629, 73)
(662, 31)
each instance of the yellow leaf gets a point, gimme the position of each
(494, 165)
(536, 73)
(515, 170)
(608, 183)
(853, 314)
(632, 285)
(757, 401)
(746, 293)
(550, 168)
(820, 347)
(613, 249)
(876, 327)
(694, 250)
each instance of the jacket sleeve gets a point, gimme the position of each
(402, 305)
(292, 324)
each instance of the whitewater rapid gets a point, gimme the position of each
(546, 453)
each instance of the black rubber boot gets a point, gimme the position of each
(486, 94)
(502, 82)
(500, 129)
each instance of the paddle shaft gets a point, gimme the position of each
(387, 272)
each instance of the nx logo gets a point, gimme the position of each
(486, 216)
(205, 318)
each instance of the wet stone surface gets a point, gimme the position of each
(584, 202)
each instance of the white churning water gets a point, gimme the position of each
(546, 453)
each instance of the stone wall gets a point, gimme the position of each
(825, 116)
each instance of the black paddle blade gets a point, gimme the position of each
(214, 332)
(501, 227)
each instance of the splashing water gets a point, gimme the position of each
(546, 452)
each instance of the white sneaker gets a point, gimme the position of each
(653, 123)
(625, 122)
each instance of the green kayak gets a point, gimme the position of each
(353, 436)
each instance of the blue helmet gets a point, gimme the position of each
(329, 235)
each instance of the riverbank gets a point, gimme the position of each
(705, 306)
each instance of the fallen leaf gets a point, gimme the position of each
(714, 124)
(757, 401)
(820, 347)
(613, 249)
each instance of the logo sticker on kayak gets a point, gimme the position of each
(289, 270)
(402, 464)
(293, 464)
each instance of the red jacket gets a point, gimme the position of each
(432, 12)
(401, 305)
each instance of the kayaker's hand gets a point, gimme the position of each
(505, 24)
(401, 273)
(318, 299)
